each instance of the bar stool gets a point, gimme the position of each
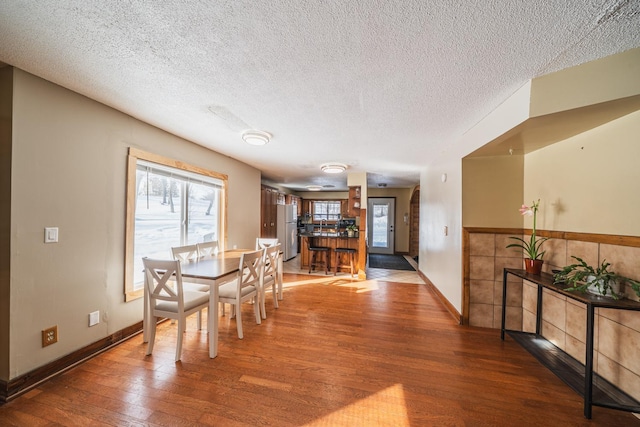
(315, 250)
(351, 253)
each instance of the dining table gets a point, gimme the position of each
(215, 271)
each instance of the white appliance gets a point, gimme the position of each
(287, 230)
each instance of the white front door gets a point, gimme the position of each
(380, 223)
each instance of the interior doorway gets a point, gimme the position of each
(380, 224)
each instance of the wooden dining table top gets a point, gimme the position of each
(222, 264)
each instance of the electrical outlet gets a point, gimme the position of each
(50, 336)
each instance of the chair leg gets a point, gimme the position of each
(153, 321)
(335, 265)
(263, 309)
(326, 263)
(238, 316)
(256, 310)
(199, 320)
(351, 255)
(181, 328)
(275, 296)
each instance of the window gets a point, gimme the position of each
(168, 206)
(326, 210)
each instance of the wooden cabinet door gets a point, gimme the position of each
(273, 213)
(265, 198)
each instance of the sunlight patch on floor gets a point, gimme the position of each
(385, 408)
(360, 286)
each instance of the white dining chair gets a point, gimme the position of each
(166, 298)
(245, 287)
(207, 249)
(262, 242)
(184, 254)
(269, 276)
(187, 253)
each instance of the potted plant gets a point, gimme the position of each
(598, 281)
(351, 230)
(533, 260)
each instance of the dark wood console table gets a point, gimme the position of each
(592, 387)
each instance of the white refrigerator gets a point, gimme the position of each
(287, 230)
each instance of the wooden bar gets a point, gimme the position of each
(332, 241)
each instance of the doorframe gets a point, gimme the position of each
(414, 223)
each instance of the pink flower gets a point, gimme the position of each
(526, 210)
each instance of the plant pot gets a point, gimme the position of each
(350, 233)
(533, 266)
(598, 288)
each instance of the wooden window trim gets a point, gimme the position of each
(132, 160)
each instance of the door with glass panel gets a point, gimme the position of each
(380, 224)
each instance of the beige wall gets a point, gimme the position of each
(606, 79)
(591, 182)
(556, 179)
(6, 101)
(440, 256)
(492, 191)
(69, 164)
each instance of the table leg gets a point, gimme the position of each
(588, 368)
(279, 275)
(212, 320)
(504, 304)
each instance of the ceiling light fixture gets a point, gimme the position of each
(333, 168)
(314, 187)
(256, 137)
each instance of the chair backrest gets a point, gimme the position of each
(271, 255)
(262, 243)
(187, 253)
(251, 269)
(207, 249)
(163, 281)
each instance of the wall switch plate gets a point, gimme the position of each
(51, 234)
(94, 318)
(446, 230)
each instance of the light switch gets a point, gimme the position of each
(446, 230)
(51, 235)
(94, 318)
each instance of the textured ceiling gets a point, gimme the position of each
(383, 86)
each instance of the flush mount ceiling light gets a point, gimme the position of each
(256, 137)
(314, 187)
(333, 168)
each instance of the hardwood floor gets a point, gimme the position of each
(336, 353)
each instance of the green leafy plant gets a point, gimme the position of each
(581, 276)
(352, 228)
(532, 247)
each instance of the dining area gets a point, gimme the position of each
(200, 277)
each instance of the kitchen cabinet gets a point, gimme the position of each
(268, 211)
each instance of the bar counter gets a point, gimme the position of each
(331, 240)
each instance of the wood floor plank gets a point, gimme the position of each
(336, 353)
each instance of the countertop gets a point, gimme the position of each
(342, 234)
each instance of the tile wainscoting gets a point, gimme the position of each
(617, 333)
